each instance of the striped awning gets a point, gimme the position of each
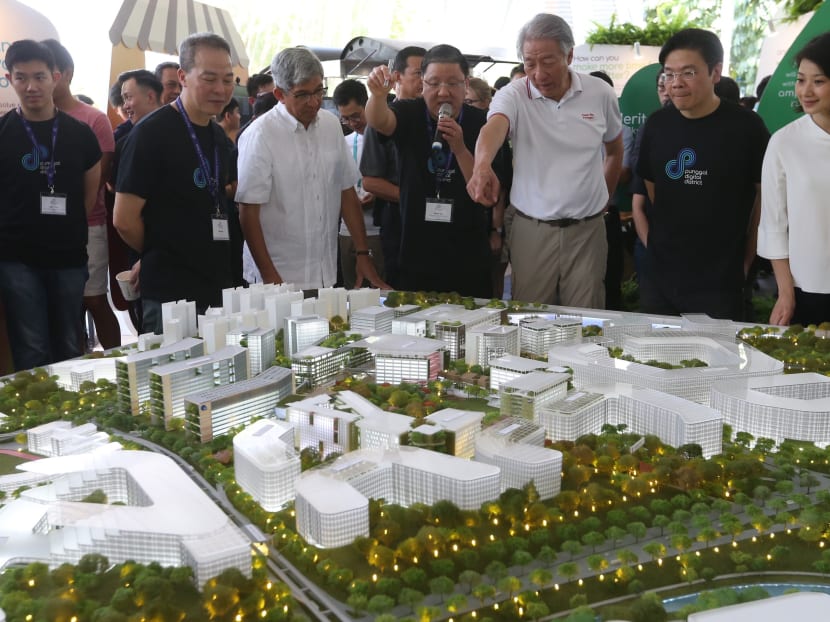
(159, 26)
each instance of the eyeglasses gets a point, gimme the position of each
(452, 85)
(470, 102)
(669, 76)
(303, 96)
(355, 117)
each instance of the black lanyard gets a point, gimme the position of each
(50, 171)
(211, 180)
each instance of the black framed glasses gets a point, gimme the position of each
(304, 96)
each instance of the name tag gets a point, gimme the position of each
(221, 233)
(53, 204)
(438, 210)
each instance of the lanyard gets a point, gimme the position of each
(354, 155)
(212, 180)
(442, 164)
(50, 172)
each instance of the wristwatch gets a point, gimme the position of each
(367, 252)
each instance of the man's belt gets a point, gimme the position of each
(559, 222)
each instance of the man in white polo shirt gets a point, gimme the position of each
(558, 121)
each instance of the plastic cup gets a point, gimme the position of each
(127, 290)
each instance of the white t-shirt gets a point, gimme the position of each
(795, 187)
(557, 146)
(354, 142)
(297, 177)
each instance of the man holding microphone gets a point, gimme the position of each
(445, 238)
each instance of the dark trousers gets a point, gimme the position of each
(810, 308)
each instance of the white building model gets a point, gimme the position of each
(61, 438)
(526, 395)
(644, 411)
(332, 506)
(52, 524)
(793, 407)
(266, 464)
(520, 463)
(215, 411)
(133, 371)
(400, 358)
(485, 343)
(539, 335)
(593, 365)
(509, 367)
(170, 384)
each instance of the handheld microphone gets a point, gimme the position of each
(445, 110)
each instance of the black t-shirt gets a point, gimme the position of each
(158, 162)
(440, 256)
(704, 173)
(26, 235)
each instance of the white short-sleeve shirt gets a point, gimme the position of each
(297, 176)
(557, 145)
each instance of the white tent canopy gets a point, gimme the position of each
(160, 25)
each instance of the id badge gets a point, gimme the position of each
(221, 233)
(52, 204)
(438, 210)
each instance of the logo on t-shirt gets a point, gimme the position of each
(31, 161)
(199, 178)
(680, 168)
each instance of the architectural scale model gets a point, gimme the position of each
(171, 383)
(61, 438)
(265, 463)
(797, 606)
(214, 412)
(795, 406)
(400, 358)
(485, 343)
(726, 359)
(509, 367)
(133, 371)
(526, 395)
(332, 503)
(51, 523)
(539, 335)
(674, 420)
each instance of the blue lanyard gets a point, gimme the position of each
(212, 180)
(354, 156)
(50, 172)
(448, 166)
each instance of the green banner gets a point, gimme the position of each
(639, 97)
(777, 106)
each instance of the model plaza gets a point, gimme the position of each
(576, 389)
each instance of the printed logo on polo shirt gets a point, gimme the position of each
(588, 116)
(679, 168)
(31, 161)
(199, 178)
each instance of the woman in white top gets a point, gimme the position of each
(794, 232)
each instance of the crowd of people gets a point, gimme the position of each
(433, 188)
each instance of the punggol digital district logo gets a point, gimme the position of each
(31, 161)
(680, 168)
(199, 178)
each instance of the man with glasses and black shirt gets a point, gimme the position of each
(296, 179)
(445, 234)
(701, 162)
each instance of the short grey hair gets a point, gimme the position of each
(191, 44)
(293, 66)
(546, 26)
